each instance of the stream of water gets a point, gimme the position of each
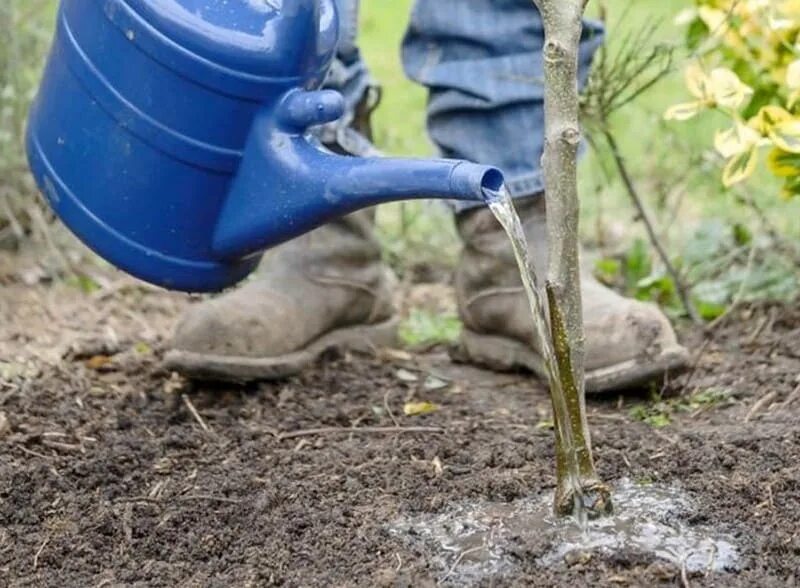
(502, 206)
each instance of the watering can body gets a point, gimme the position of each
(171, 135)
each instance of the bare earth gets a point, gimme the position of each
(115, 473)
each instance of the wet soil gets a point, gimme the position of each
(115, 473)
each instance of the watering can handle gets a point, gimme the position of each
(302, 109)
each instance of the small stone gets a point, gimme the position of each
(5, 426)
(385, 577)
(577, 558)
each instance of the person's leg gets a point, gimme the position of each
(328, 289)
(349, 75)
(482, 63)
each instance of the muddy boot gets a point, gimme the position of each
(628, 342)
(326, 290)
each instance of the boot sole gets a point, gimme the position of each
(242, 369)
(503, 354)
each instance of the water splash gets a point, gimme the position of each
(474, 541)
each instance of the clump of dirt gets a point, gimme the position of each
(114, 472)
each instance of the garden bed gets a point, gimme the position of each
(113, 472)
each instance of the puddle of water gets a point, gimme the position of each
(472, 540)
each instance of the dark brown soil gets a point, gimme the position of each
(109, 478)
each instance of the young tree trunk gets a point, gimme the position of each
(563, 27)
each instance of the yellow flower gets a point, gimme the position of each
(786, 135)
(737, 140)
(783, 164)
(721, 88)
(767, 118)
(727, 89)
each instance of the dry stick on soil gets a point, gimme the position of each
(39, 552)
(759, 404)
(356, 430)
(563, 27)
(195, 414)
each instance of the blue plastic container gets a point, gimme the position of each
(170, 135)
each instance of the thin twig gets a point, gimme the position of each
(737, 299)
(39, 552)
(630, 187)
(388, 408)
(356, 430)
(195, 414)
(208, 497)
(791, 398)
(696, 363)
(761, 403)
(685, 575)
(35, 453)
(458, 561)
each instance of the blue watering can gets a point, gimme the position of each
(171, 135)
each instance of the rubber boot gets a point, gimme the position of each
(628, 342)
(322, 291)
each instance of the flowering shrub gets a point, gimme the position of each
(748, 68)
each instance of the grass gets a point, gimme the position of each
(423, 328)
(659, 412)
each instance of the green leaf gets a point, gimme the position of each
(607, 270)
(655, 415)
(791, 188)
(637, 263)
(763, 96)
(783, 164)
(710, 310)
(742, 235)
(657, 288)
(658, 420)
(142, 348)
(83, 283)
(423, 327)
(786, 135)
(740, 167)
(696, 33)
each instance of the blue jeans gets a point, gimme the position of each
(481, 61)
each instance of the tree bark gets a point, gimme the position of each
(563, 27)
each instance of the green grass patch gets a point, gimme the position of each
(660, 412)
(424, 328)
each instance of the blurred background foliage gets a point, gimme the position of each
(25, 31)
(725, 245)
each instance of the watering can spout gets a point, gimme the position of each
(370, 181)
(308, 186)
